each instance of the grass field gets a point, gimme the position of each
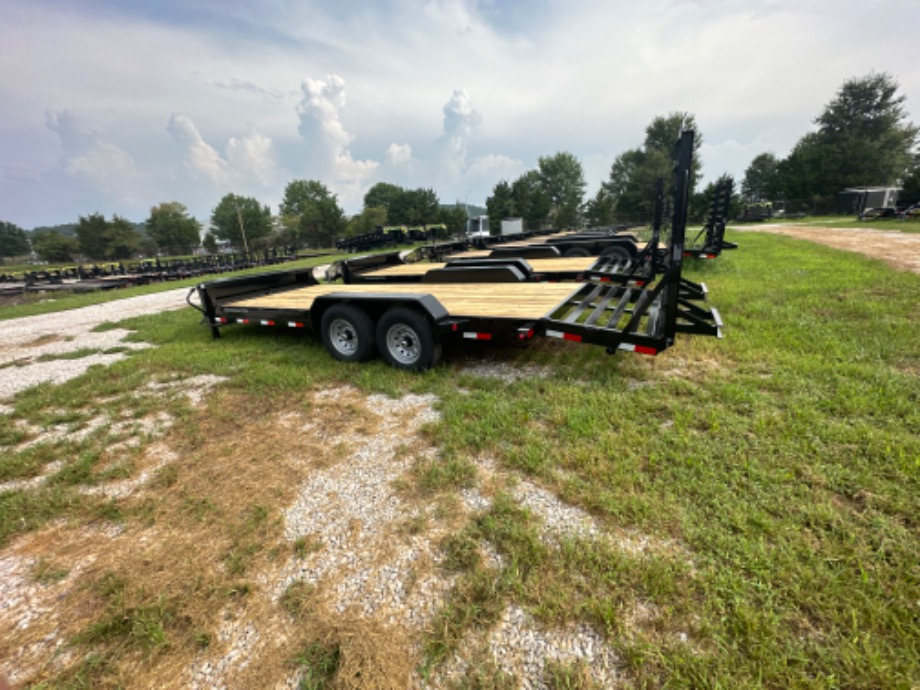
(775, 471)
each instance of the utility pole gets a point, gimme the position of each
(239, 217)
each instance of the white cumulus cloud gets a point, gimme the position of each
(200, 158)
(327, 140)
(89, 158)
(399, 155)
(248, 161)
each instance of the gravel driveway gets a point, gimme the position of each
(31, 347)
(898, 249)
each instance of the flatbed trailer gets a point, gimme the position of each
(585, 243)
(408, 323)
(516, 263)
(390, 267)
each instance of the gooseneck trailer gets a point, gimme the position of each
(407, 324)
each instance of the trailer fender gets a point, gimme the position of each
(376, 304)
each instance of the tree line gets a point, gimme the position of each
(862, 138)
(309, 216)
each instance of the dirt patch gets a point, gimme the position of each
(900, 250)
(271, 545)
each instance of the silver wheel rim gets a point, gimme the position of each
(403, 344)
(343, 337)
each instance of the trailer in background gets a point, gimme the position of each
(409, 323)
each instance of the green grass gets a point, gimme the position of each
(776, 473)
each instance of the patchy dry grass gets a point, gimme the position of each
(737, 513)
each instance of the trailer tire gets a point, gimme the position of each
(617, 252)
(576, 251)
(406, 340)
(348, 333)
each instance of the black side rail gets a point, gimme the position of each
(355, 270)
(215, 294)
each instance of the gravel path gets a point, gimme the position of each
(31, 347)
(898, 249)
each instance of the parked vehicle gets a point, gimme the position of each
(879, 213)
(911, 212)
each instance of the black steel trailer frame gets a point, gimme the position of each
(510, 264)
(408, 323)
(713, 232)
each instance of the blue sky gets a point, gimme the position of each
(114, 107)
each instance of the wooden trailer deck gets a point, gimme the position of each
(483, 300)
(577, 263)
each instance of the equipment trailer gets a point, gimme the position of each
(531, 263)
(713, 231)
(408, 323)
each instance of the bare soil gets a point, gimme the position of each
(900, 250)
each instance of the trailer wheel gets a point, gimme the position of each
(617, 252)
(348, 333)
(406, 340)
(576, 251)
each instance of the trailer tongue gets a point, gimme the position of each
(407, 323)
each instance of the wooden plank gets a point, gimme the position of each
(563, 263)
(416, 269)
(576, 263)
(490, 300)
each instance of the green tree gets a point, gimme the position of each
(101, 239)
(319, 218)
(601, 210)
(14, 241)
(563, 180)
(91, 233)
(381, 194)
(531, 201)
(662, 135)
(53, 245)
(209, 243)
(500, 205)
(242, 221)
(414, 207)
(865, 130)
(366, 221)
(634, 172)
(632, 180)
(761, 179)
(122, 240)
(172, 229)
(454, 217)
(910, 187)
(863, 139)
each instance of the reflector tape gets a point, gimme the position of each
(640, 349)
(564, 336)
(295, 324)
(267, 323)
(243, 321)
(477, 336)
(220, 319)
